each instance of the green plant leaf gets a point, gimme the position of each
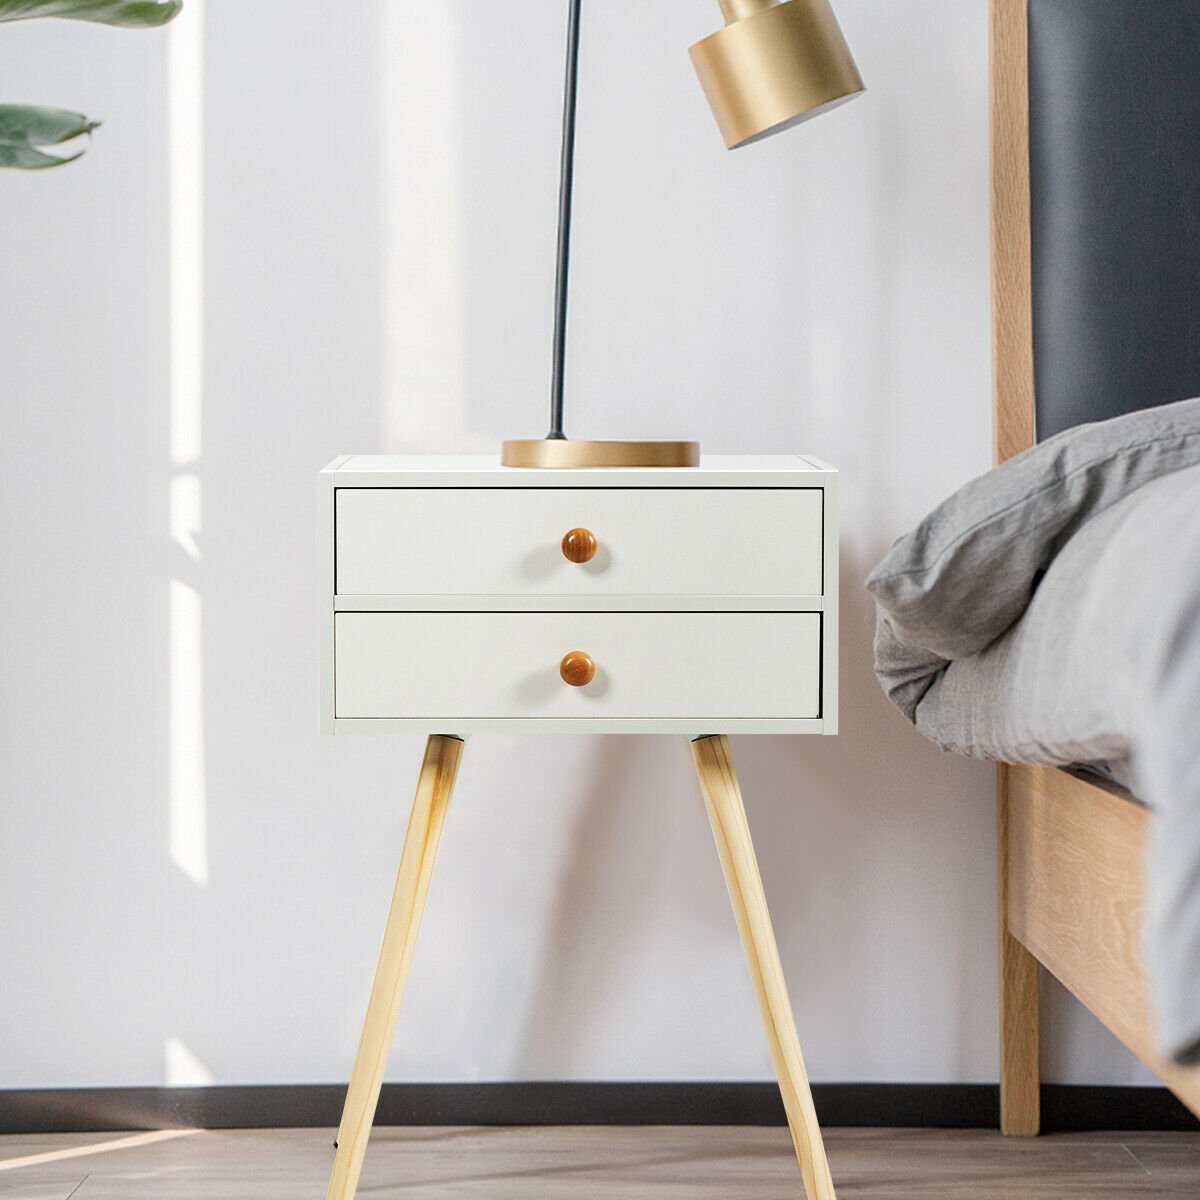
(25, 130)
(132, 14)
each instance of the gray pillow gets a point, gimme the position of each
(966, 573)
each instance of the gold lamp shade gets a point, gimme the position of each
(774, 65)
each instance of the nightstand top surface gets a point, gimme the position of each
(715, 470)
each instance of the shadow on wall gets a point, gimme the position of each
(829, 816)
(187, 798)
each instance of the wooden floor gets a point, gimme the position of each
(597, 1163)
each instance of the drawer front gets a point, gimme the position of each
(649, 666)
(508, 541)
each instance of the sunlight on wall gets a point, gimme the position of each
(185, 97)
(185, 513)
(424, 297)
(182, 1067)
(187, 816)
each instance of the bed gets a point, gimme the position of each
(1095, 125)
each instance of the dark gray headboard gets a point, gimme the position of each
(1114, 157)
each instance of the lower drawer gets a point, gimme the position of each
(648, 665)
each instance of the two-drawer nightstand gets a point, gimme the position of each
(461, 596)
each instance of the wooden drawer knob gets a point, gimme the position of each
(577, 668)
(579, 546)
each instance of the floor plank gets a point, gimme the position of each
(603, 1163)
(1167, 1162)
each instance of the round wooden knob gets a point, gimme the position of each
(577, 668)
(579, 546)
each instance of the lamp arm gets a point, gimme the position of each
(566, 183)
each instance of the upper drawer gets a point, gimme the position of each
(650, 541)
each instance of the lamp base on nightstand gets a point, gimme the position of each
(565, 454)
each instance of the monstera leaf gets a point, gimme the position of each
(25, 128)
(132, 14)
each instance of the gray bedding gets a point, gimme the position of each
(1096, 661)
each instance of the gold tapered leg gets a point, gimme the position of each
(438, 772)
(723, 797)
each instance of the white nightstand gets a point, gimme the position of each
(460, 596)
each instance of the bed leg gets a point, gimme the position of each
(1020, 1083)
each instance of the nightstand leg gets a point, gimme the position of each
(723, 798)
(438, 772)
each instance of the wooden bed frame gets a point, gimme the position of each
(1071, 850)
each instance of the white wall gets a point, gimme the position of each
(347, 246)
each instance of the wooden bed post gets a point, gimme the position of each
(1071, 881)
(1012, 398)
(1012, 290)
(1020, 1076)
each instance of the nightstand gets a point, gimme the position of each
(459, 596)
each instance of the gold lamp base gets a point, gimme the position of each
(561, 453)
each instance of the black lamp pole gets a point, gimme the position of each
(775, 62)
(566, 181)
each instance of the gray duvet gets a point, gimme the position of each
(1097, 661)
